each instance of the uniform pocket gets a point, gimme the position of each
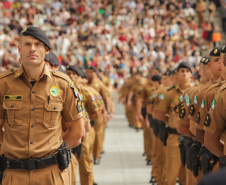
(14, 112)
(52, 113)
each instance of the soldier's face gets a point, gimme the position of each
(223, 59)
(183, 75)
(32, 51)
(73, 76)
(90, 74)
(216, 65)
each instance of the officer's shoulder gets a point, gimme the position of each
(6, 73)
(171, 87)
(215, 85)
(223, 87)
(62, 76)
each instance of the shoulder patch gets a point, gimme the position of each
(192, 110)
(198, 117)
(6, 73)
(207, 120)
(171, 87)
(61, 75)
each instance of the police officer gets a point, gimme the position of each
(34, 101)
(166, 113)
(52, 61)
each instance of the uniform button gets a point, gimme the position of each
(32, 125)
(31, 142)
(33, 92)
(12, 106)
(54, 108)
(33, 109)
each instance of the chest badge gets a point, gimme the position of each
(54, 91)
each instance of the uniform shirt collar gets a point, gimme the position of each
(20, 71)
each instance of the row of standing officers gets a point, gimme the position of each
(50, 122)
(183, 123)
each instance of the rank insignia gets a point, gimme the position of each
(79, 106)
(192, 110)
(12, 97)
(54, 91)
(198, 117)
(207, 120)
(95, 105)
(213, 104)
(215, 51)
(181, 112)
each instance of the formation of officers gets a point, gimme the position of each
(51, 122)
(183, 123)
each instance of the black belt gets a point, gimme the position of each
(92, 122)
(31, 164)
(173, 131)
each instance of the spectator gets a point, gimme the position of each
(201, 8)
(216, 37)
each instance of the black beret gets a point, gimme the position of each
(92, 68)
(174, 71)
(168, 73)
(157, 68)
(223, 49)
(52, 59)
(62, 69)
(156, 78)
(37, 33)
(74, 69)
(84, 75)
(184, 65)
(215, 52)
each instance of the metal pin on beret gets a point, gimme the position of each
(37, 33)
(168, 73)
(206, 61)
(223, 49)
(52, 59)
(74, 69)
(184, 65)
(215, 52)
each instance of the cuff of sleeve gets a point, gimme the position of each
(212, 131)
(74, 117)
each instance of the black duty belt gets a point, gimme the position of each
(92, 122)
(173, 131)
(31, 164)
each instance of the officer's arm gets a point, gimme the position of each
(184, 130)
(200, 135)
(212, 142)
(161, 115)
(75, 130)
(94, 115)
(1, 130)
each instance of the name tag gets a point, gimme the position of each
(12, 97)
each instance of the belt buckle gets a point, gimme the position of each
(31, 164)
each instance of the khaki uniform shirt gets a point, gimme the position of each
(33, 115)
(206, 103)
(185, 107)
(197, 101)
(169, 101)
(215, 122)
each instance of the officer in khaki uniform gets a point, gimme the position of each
(214, 121)
(151, 101)
(186, 108)
(214, 64)
(33, 104)
(99, 126)
(85, 168)
(166, 113)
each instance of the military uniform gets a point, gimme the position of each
(167, 105)
(33, 127)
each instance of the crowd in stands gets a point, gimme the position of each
(113, 35)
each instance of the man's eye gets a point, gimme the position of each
(27, 44)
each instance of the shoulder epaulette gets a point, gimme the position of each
(223, 87)
(6, 73)
(62, 75)
(171, 87)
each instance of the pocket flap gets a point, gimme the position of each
(12, 105)
(53, 106)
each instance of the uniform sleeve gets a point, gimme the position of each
(203, 111)
(72, 109)
(2, 110)
(215, 120)
(164, 101)
(90, 103)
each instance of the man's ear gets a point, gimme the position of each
(47, 50)
(19, 49)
